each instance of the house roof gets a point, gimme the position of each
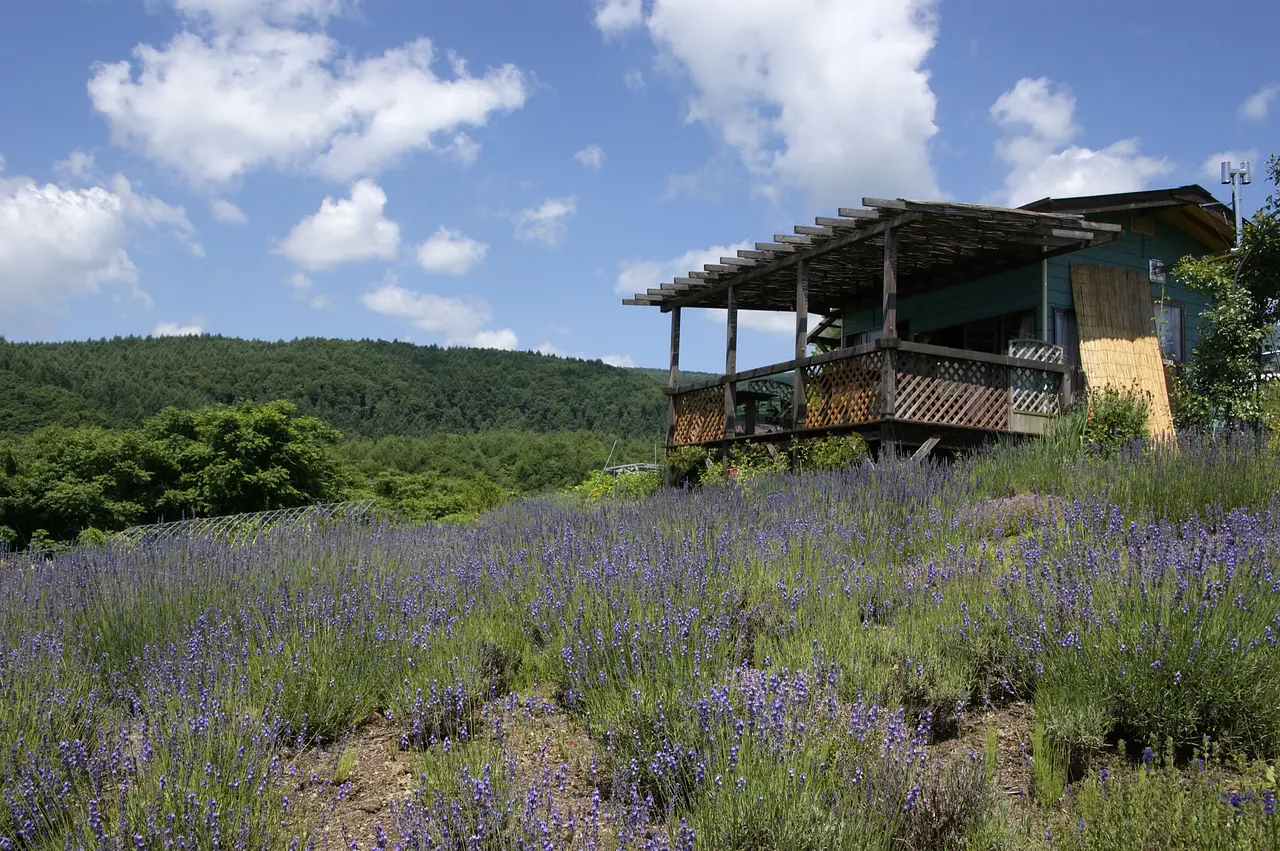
(1191, 208)
(938, 244)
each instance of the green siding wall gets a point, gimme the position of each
(1134, 251)
(1020, 289)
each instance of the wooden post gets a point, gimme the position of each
(798, 398)
(889, 351)
(731, 365)
(890, 331)
(673, 378)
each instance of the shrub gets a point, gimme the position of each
(830, 453)
(1115, 418)
(601, 485)
(686, 464)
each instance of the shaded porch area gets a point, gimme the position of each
(895, 392)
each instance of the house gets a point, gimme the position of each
(948, 323)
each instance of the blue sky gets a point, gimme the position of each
(499, 172)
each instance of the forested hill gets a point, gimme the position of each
(365, 388)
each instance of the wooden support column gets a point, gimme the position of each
(731, 364)
(798, 398)
(889, 341)
(673, 378)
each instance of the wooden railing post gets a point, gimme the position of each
(889, 338)
(673, 379)
(798, 398)
(731, 365)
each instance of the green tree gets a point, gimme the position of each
(242, 458)
(1222, 379)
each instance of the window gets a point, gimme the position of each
(1169, 330)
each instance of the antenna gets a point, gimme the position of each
(1237, 177)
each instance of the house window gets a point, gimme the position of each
(862, 338)
(1169, 330)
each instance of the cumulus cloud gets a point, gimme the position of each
(633, 79)
(78, 164)
(592, 157)
(449, 252)
(1257, 106)
(60, 242)
(227, 212)
(460, 322)
(247, 85)
(618, 16)
(636, 276)
(173, 329)
(549, 348)
(619, 360)
(349, 230)
(830, 98)
(1038, 119)
(546, 223)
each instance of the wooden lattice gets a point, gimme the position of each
(843, 392)
(1034, 391)
(699, 416)
(950, 391)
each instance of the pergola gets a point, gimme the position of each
(898, 247)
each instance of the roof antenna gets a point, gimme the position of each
(1238, 178)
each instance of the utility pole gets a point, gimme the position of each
(1238, 178)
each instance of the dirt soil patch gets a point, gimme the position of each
(1013, 727)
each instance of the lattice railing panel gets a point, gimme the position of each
(951, 391)
(1034, 391)
(699, 416)
(843, 392)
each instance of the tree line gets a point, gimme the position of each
(60, 482)
(363, 388)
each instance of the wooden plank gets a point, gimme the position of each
(763, 271)
(825, 221)
(926, 447)
(731, 365)
(855, 213)
(809, 230)
(736, 261)
(979, 357)
(802, 339)
(787, 238)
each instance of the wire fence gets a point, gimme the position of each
(245, 528)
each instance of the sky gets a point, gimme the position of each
(501, 173)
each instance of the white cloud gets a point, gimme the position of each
(349, 230)
(227, 212)
(449, 252)
(78, 164)
(57, 242)
(550, 348)
(633, 79)
(619, 360)
(503, 338)
(768, 321)
(1257, 106)
(1039, 123)
(548, 222)
(249, 91)
(463, 149)
(173, 329)
(636, 276)
(830, 98)
(592, 157)
(460, 322)
(304, 290)
(1213, 165)
(618, 16)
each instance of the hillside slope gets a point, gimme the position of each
(365, 388)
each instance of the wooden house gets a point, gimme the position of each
(948, 323)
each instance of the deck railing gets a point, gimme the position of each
(854, 387)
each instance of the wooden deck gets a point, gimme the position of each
(892, 391)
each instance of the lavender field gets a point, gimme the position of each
(1013, 651)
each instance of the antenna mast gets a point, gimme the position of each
(1238, 178)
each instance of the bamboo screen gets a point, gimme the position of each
(1118, 343)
